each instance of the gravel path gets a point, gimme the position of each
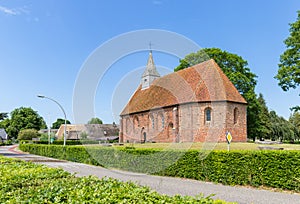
(165, 185)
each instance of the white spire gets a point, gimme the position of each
(150, 73)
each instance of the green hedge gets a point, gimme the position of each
(25, 182)
(276, 169)
(61, 142)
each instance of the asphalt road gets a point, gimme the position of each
(165, 185)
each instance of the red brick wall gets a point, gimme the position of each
(186, 123)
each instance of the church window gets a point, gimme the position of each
(235, 115)
(127, 125)
(161, 119)
(152, 121)
(207, 112)
(136, 122)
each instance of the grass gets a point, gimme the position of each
(212, 146)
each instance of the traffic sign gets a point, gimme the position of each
(228, 137)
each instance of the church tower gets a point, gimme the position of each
(150, 74)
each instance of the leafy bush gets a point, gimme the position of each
(25, 182)
(276, 169)
(28, 134)
(6, 142)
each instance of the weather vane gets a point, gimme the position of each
(150, 46)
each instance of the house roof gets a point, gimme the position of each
(204, 82)
(3, 134)
(93, 131)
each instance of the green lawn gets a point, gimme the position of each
(212, 146)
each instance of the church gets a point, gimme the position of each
(196, 104)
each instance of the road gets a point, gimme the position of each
(164, 185)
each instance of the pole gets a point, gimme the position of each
(48, 135)
(65, 126)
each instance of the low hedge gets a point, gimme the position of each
(276, 169)
(24, 182)
(61, 142)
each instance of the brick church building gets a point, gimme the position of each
(196, 104)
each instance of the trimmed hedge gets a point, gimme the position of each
(276, 169)
(25, 182)
(61, 142)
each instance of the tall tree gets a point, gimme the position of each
(295, 121)
(238, 72)
(59, 122)
(281, 129)
(24, 118)
(95, 121)
(264, 118)
(289, 66)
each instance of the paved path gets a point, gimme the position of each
(165, 185)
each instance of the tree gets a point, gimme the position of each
(23, 118)
(95, 121)
(264, 118)
(3, 116)
(289, 66)
(295, 121)
(59, 122)
(281, 128)
(28, 134)
(236, 69)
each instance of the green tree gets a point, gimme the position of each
(28, 134)
(264, 119)
(95, 121)
(295, 121)
(289, 66)
(59, 122)
(281, 129)
(23, 118)
(238, 72)
(3, 116)
(83, 136)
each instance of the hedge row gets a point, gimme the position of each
(61, 142)
(24, 182)
(276, 169)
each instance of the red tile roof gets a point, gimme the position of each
(203, 82)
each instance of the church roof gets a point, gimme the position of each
(204, 82)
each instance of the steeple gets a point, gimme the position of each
(150, 73)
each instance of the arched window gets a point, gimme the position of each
(207, 113)
(161, 120)
(136, 123)
(127, 125)
(152, 121)
(235, 115)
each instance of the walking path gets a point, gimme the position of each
(164, 185)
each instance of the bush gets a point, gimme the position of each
(25, 182)
(28, 134)
(276, 169)
(6, 142)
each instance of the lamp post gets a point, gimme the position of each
(65, 127)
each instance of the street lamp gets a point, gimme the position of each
(65, 127)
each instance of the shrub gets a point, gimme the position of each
(276, 169)
(26, 182)
(28, 134)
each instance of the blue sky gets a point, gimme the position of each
(44, 45)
